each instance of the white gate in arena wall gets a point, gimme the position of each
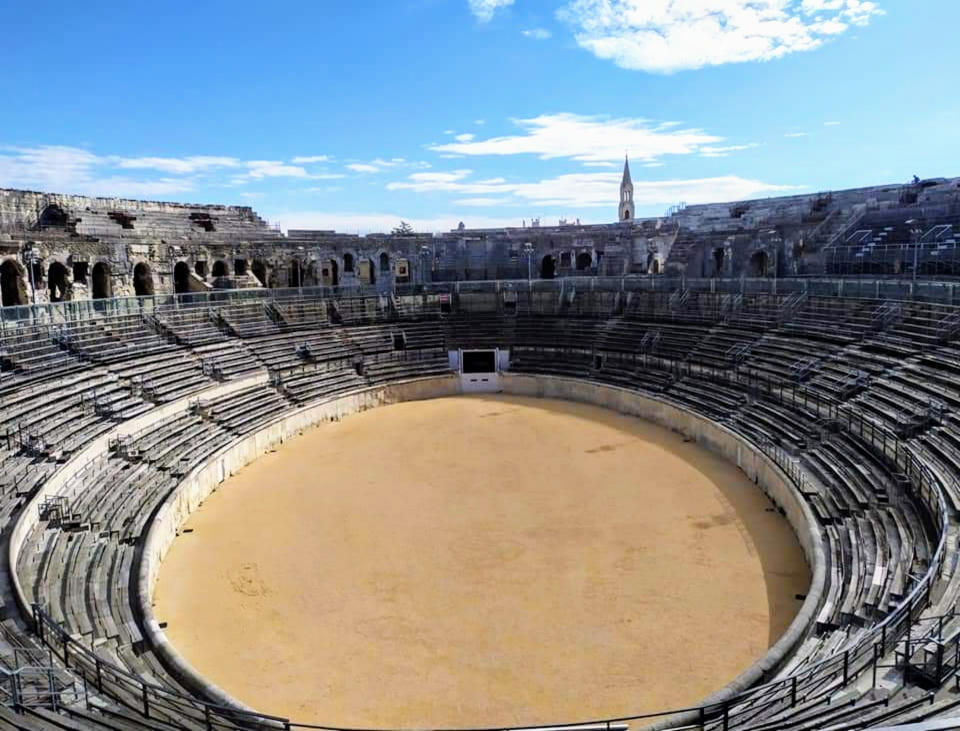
(479, 369)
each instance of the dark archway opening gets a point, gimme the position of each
(181, 277)
(718, 255)
(548, 267)
(80, 270)
(59, 282)
(240, 267)
(142, 280)
(12, 286)
(219, 268)
(295, 276)
(384, 263)
(347, 263)
(260, 272)
(758, 264)
(53, 216)
(368, 271)
(200, 269)
(655, 267)
(584, 260)
(331, 273)
(102, 283)
(565, 260)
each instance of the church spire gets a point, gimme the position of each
(626, 192)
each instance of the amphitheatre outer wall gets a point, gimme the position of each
(198, 485)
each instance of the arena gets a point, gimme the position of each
(755, 528)
(465, 586)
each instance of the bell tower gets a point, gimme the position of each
(626, 193)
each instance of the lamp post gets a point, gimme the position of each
(528, 252)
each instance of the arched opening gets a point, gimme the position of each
(368, 271)
(12, 285)
(626, 214)
(53, 216)
(347, 263)
(565, 259)
(584, 260)
(655, 267)
(102, 283)
(548, 267)
(384, 262)
(219, 268)
(718, 255)
(295, 275)
(240, 267)
(200, 269)
(758, 264)
(259, 270)
(142, 280)
(58, 282)
(181, 277)
(330, 273)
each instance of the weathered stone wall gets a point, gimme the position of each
(55, 242)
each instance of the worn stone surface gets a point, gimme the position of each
(192, 248)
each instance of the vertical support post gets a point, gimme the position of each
(146, 701)
(846, 666)
(793, 691)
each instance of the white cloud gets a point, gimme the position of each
(380, 164)
(664, 36)
(796, 135)
(480, 122)
(64, 169)
(537, 34)
(311, 159)
(484, 10)
(482, 202)
(831, 124)
(380, 222)
(587, 139)
(587, 189)
(274, 169)
(713, 151)
(178, 166)
(467, 137)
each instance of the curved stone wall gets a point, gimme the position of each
(204, 480)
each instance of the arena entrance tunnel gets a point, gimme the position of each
(198, 485)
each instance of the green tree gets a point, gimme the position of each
(404, 229)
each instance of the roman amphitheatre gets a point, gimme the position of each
(697, 472)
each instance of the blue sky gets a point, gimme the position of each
(353, 115)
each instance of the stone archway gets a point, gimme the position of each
(58, 282)
(759, 263)
(259, 269)
(181, 277)
(548, 267)
(13, 285)
(142, 280)
(718, 257)
(102, 281)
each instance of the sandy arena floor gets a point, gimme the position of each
(481, 560)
